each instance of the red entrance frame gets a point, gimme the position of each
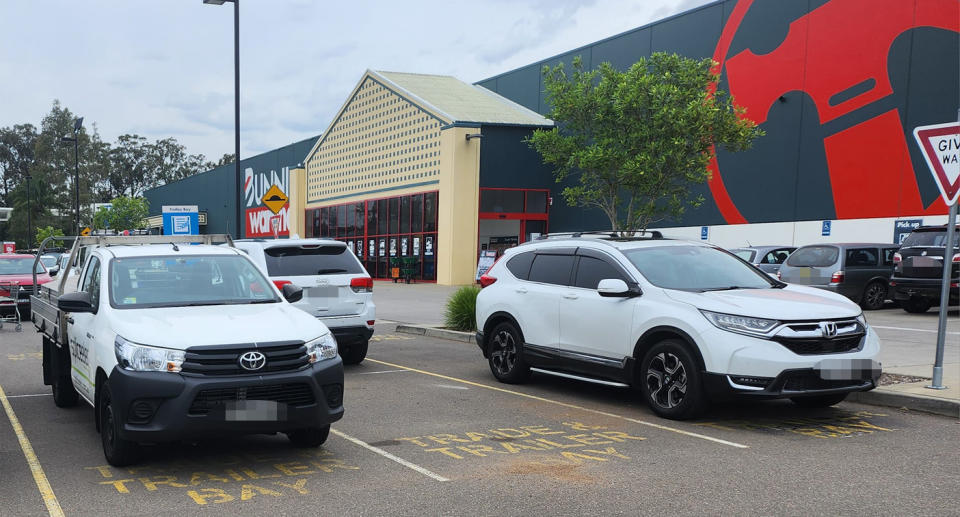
(523, 217)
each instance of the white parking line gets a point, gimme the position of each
(389, 456)
(384, 371)
(31, 395)
(913, 330)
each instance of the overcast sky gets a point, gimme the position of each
(164, 68)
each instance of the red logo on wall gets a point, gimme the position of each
(837, 54)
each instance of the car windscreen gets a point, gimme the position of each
(185, 281)
(744, 254)
(696, 268)
(814, 256)
(932, 239)
(19, 266)
(310, 260)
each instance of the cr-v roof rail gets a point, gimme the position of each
(604, 234)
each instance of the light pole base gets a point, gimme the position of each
(937, 382)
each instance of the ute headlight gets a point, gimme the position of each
(741, 324)
(141, 358)
(324, 347)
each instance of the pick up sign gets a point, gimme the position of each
(941, 148)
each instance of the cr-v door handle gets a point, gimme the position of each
(522, 290)
(571, 296)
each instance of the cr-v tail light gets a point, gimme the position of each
(361, 284)
(487, 280)
(837, 277)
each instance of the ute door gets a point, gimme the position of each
(324, 272)
(80, 332)
(595, 330)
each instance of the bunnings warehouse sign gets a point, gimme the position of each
(266, 195)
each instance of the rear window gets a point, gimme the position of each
(519, 265)
(310, 260)
(814, 256)
(933, 239)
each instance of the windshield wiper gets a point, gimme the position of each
(331, 270)
(261, 301)
(729, 288)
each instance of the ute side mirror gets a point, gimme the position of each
(76, 302)
(617, 288)
(53, 271)
(292, 293)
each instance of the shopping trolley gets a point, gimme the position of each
(9, 292)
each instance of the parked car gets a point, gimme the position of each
(18, 269)
(766, 258)
(918, 269)
(859, 271)
(337, 289)
(686, 321)
(170, 343)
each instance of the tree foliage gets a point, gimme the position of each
(632, 143)
(47, 231)
(125, 168)
(125, 213)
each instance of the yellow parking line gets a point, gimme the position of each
(567, 404)
(49, 498)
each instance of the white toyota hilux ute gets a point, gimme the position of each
(685, 322)
(176, 341)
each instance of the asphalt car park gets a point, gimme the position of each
(427, 430)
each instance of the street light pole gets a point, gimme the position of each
(77, 125)
(29, 222)
(238, 177)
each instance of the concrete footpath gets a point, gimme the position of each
(907, 353)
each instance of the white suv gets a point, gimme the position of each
(685, 321)
(336, 288)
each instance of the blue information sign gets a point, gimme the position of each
(181, 220)
(704, 232)
(825, 230)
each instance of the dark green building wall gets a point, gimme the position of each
(214, 191)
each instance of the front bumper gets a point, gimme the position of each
(903, 289)
(159, 407)
(841, 376)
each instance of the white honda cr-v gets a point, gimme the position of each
(684, 321)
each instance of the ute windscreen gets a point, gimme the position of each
(311, 260)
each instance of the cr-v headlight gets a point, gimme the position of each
(742, 324)
(141, 358)
(324, 347)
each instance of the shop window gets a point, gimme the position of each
(505, 201)
(430, 212)
(371, 217)
(394, 215)
(359, 219)
(331, 221)
(351, 221)
(405, 214)
(341, 220)
(536, 202)
(416, 213)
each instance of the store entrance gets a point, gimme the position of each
(509, 217)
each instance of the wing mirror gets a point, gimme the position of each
(76, 302)
(616, 288)
(53, 271)
(292, 293)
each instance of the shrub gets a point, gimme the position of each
(461, 313)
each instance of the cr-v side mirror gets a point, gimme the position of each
(614, 287)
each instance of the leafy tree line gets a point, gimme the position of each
(125, 168)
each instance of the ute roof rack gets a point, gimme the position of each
(605, 235)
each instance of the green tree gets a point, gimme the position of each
(16, 157)
(47, 231)
(125, 213)
(632, 143)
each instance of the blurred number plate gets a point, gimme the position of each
(253, 411)
(329, 291)
(926, 262)
(803, 272)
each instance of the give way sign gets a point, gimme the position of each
(941, 148)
